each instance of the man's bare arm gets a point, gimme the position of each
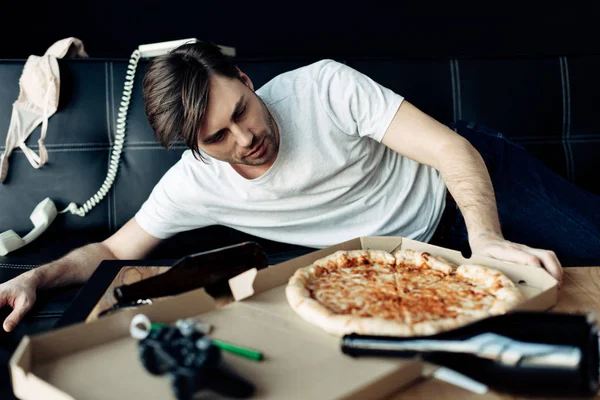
(130, 242)
(420, 137)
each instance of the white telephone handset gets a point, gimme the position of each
(42, 216)
(45, 212)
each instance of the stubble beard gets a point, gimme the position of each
(269, 141)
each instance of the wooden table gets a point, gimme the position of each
(580, 293)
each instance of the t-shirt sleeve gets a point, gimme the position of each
(357, 104)
(168, 210)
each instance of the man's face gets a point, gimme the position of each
(238, 127)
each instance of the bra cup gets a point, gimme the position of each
(40, 84)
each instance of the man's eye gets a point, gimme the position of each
(217, 138)
(241, 113)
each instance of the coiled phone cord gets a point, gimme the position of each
(117, 147)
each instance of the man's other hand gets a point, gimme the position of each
(19, 294)
(502, 249)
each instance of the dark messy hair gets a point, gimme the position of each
(176, 89)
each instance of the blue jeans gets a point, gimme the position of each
(537, 207)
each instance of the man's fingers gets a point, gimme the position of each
(4, 302)
(22, 305)
(515, 255)
(529, 256)
(551, 263)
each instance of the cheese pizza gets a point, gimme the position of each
(407, 293)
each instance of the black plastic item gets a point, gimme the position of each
(210, 269)
(193, 362)
(576, 330)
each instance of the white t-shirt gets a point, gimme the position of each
(332, 179)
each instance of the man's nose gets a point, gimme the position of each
(243, 137)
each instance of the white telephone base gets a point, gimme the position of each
(158, 49)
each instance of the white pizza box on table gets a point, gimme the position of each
(99, 360)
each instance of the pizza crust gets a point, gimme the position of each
(420, 258)
(339, 324)
(507, 294)
(427, 328)
(341, 257)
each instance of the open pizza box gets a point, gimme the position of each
(99, 359)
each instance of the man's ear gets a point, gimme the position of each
(246, 79)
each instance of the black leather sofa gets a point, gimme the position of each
(547, 104)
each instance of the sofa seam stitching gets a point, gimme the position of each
(564, 140)
(114, 208)
(18, 266)
(568, 127)
(112, 228)
(453, 86)
(458, 94)
(108, 101)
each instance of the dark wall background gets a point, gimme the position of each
(113, 29)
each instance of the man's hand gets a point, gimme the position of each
(495, 246)
(130, 242)
(18, 293)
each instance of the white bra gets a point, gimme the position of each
(37, 101)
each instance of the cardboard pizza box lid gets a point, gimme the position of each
(99, 360)
(89, 360)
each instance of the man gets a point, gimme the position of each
(318, 155)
